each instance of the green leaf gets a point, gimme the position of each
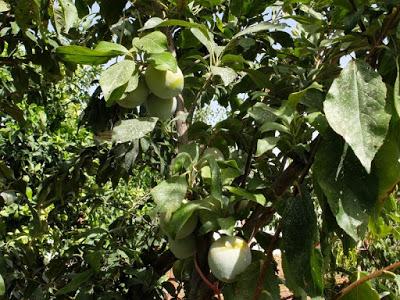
(262, 113)
(227, 74)
(355, 109)
(273, 126)
(169, 194)
(164, 61)
(289, 107)
(258, 198)
(226, 225)
(259, 78)
(266, 144)
(154, 42)
(206, 38)
(4, 6)
(128, 130)
(351, 192)
(301, 266)
(243, 288)
(396, 92)
(109, 47)
(257, 28)
(70, 14)
(82, 55)
(116, 76)
(386, 164)
(77, 280)
(151, 23)
(182, 23)
(181, 216)
(2, 284)
(363, 291)
(216, 183)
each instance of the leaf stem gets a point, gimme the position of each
(364, 279)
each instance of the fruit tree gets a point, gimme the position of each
(308, 155)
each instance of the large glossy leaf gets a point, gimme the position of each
(302, 263)
(355, 109)
(350, 190)
(128, 130)
(116, 76)
(85, 56)
(169, 194)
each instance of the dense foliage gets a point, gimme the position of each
(310, 147)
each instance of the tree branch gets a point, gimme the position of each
(249, 158)
(297, 170)
(389, 23)
(265, 264)
(360, 281)
(213, 287)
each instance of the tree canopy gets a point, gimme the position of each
(98, 105)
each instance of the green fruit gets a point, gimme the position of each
(183, 248)
(228, 257)
(160, 108)
(136, 97)
(164, 84)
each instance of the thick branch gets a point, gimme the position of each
(360, 281)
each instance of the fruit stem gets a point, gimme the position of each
(213, 287)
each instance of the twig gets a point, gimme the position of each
(212, 286)
(266, 263)
(249, 158)
(389, 23)
(296, 171)
(360, 22)
(360, 281)
(196, 99)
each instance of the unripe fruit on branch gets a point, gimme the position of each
(183, 248)
(164, 84)
(228, 257)
(160, 108)
(136, 97)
